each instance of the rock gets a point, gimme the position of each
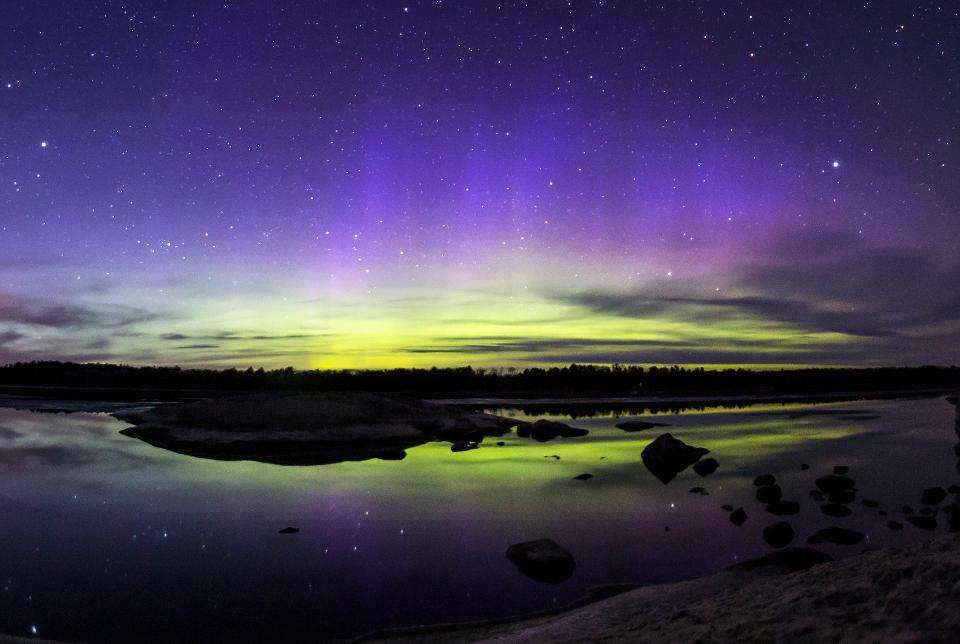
(778, 534)
(894, 525)
(928, 511)
(583, 477)
(769, 493)
(817, 495)
(870, 503)
(838, 536)
(638, 425)
(728, 508)
(667, 456)
(834, 483)
(841, 469)
(500, 443)
(699, 490)
(764, 479)
(464, 446)
(738, 517)
(842, 496)
(907, 509)
(706, 467)
(933, 496)
(804, 467)
(882, 513)
(546, 430)
(543, 560)
(788, 560)
(290, 530)
(781, 508)
(954, 489)
(835, 510)
(924, 523)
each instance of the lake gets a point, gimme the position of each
(105, 538)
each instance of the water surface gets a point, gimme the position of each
(105, 538)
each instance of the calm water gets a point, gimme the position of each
(105, 538)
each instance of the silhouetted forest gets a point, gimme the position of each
(558, 382)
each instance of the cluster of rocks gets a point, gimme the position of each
(466, 432)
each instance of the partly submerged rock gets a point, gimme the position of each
(464, 446)
(817, 495)
(667, 456)
(787, 560)
(638, 425)
(738, 517)
(804, 467)
(870, 503)
(764, 479)
(835, 510)
(838, 536)
(543, 560)
(699, 490)
(546, 430)
(778, 534)
(894, 525)
(834, 483)
(782, 508)
(706, 467)
(842, 496)
(924, 523)
(303, 429)
(727, 507)
(769, 493)
(583, 477)
(933, 496)
(841, 469)
(289, 530)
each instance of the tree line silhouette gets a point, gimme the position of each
(556, 382)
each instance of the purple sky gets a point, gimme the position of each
(390, 183)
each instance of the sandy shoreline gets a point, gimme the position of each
(899, 594)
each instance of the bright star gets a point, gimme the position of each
(43, 144)
(835, 164)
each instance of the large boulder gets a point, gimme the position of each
(667, 456)
(542, 560)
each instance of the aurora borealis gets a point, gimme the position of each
(380, 184)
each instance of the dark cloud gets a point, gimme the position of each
(230, 336)
(7, 337)
(59, 315)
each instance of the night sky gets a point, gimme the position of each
(380, 184)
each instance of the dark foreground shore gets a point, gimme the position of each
(904, 595)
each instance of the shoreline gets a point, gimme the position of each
(906, 594)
